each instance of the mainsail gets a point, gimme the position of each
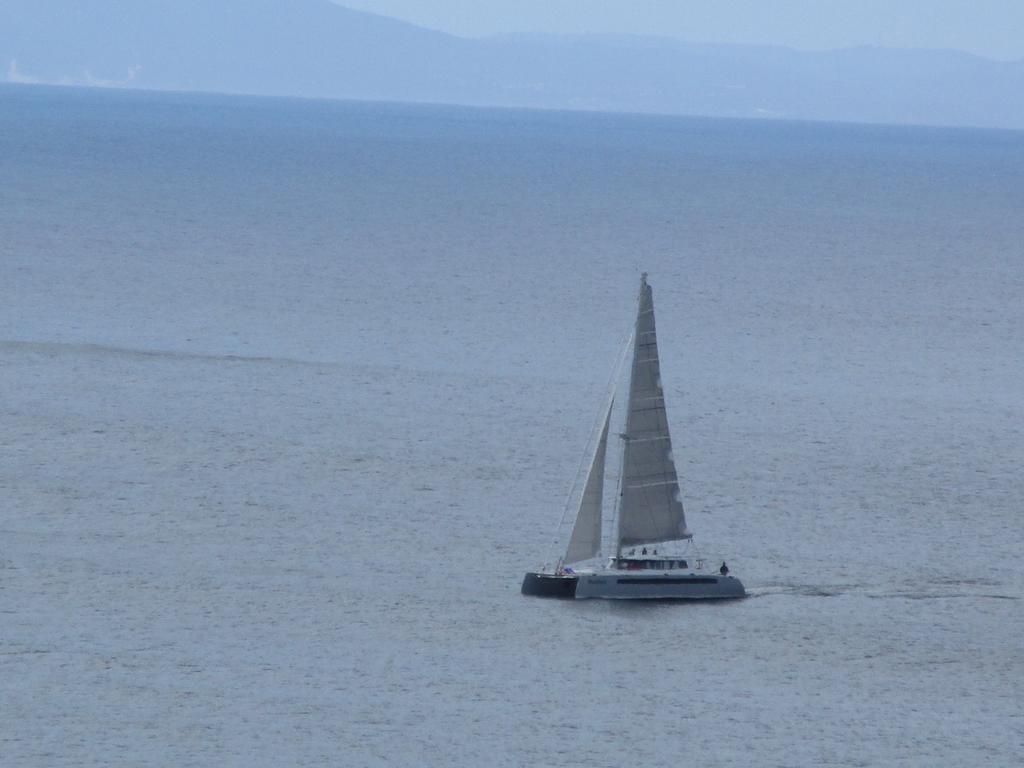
(650, 508)
(585, 541)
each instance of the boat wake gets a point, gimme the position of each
(941, 596)
(864, 590)
(803, 590)
(56, 347)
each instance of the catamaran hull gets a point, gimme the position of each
(549, 585)
(625, 586)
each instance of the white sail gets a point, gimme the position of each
(650, 507)
(585, 541)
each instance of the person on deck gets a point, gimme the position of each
(724, 570)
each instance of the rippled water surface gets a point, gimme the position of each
(291, 394)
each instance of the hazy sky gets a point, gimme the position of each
(993, 28)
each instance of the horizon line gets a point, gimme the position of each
(100, 88)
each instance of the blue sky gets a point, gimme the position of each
(992, 28)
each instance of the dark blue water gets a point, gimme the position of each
(292, 393)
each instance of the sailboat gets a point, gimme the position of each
(654, 556)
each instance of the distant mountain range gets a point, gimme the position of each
(316, 48)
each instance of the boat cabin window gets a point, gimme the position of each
(637, 564)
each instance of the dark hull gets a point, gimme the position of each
(621, 585)
(549, 585)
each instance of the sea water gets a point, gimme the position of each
(291, 394)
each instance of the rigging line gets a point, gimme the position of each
(616, 521)
(587, 457)
(613, 384)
